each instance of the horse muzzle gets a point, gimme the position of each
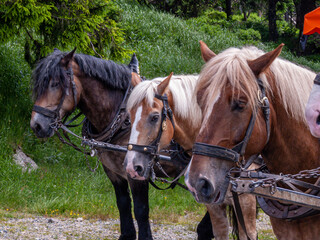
(137, 165)
(41, 126)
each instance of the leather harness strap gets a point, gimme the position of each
(120, 120)
(238, 211)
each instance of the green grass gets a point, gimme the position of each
(165, 43)
(63, 184)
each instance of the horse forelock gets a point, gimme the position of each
(293, 83)
(48, 68)
(108, 72)
(182, 89)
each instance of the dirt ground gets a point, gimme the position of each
(21, 226)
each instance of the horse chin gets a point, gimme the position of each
(217, 198)
(47, 134)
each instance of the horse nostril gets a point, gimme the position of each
(139, 169)
(318, 120)
(37, 127)
(205, 187)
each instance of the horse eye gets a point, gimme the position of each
(54, 84)
(154, 118)
(238, 105)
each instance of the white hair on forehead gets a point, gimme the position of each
(182, 89)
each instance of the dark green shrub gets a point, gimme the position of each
(250, 36)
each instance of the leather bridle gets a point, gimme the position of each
(55, 114)
(237, 152)
(152, 148)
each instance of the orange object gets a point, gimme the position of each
(312, 22)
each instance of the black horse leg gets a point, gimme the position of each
(204, 228)
(139, 190)
(120, 185)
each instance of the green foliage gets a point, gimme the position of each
(215, 15)
(249, 35)
(14, 87)
(91, 26)
(181, 8)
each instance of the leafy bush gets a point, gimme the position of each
(92, 26)
(250, 36)
(215, 15)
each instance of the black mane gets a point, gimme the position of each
(109, 73)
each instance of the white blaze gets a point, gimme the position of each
(133, 139)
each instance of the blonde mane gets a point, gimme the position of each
(182, 89)
(293, 82)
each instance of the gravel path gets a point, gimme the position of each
(44, 228)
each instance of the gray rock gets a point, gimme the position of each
(22, 160)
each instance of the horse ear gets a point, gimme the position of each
(134, 64)
(164, 84)
(206, 53)
(67, 58)
(135, 79)
(260, 64)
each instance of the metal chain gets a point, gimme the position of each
(93, 153)
(272, 181)
(113, 128)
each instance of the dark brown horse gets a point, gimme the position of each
(230, 96)
(97, 87)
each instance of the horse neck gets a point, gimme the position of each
(185, 131)
(98, 102)
(291, 147)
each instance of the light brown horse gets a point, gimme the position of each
(229, 95)
(146, 111)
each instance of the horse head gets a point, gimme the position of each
(64, 81)
(151, 127)
(234, 125)
(56, 92)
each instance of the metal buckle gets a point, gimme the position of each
(262, 99)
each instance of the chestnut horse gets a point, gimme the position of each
(146, 106)
(98, 88)
(230, 96)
